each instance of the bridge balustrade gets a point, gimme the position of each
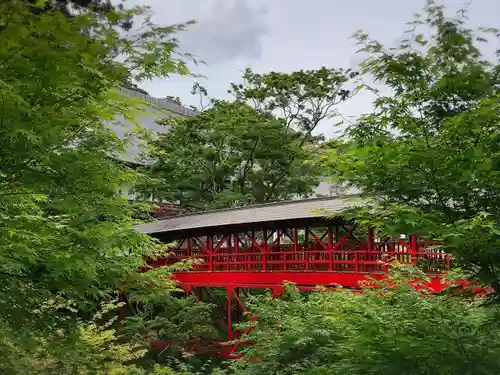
(294, 258)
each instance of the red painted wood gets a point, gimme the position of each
(268, 279)
(272, 280)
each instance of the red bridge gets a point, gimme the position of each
(262, 246)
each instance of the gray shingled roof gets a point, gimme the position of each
(301, 209)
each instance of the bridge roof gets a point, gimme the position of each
(261, 213)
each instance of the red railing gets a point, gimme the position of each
(304, 260)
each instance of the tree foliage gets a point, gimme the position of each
(98, 349)
(429, 153)
(230, 154)
(64, 232)
(390, 328)
(302, 99)
(259, 148)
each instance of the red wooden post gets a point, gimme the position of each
(252, 234)
(236, 256)
(295, 240)
(228, 253)
(264, 250)
(306, 252)
(414, 248)
(296, 247)
(370, 239)
(368, 256)
(237, 305)
(229, 292)
(279, 249)
(210, 252)
(188, 247)
(330, 248)
(254, 250)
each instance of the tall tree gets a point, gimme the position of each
(63, 229)
(257, 149)
(302, 99)
(429, 153)
(230, 154)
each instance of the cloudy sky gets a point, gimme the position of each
(287, 35)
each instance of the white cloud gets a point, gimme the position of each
(227, 30)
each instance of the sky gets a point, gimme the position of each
(288, 35)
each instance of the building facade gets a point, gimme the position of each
(155, 109)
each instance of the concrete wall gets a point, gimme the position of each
(155, 109)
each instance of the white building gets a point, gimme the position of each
(155, 109)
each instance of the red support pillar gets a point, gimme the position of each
(330, 248)
(264, 250)
(236, 242)
(414, 248)
(295, 240)
(306, 252)
(294, 248)
(368, 254)
(229, 292)
(210, 252)
(237, 304)
(236, 256)
(229, 253)
(253, 241)
(279, 250)
(370, 239)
